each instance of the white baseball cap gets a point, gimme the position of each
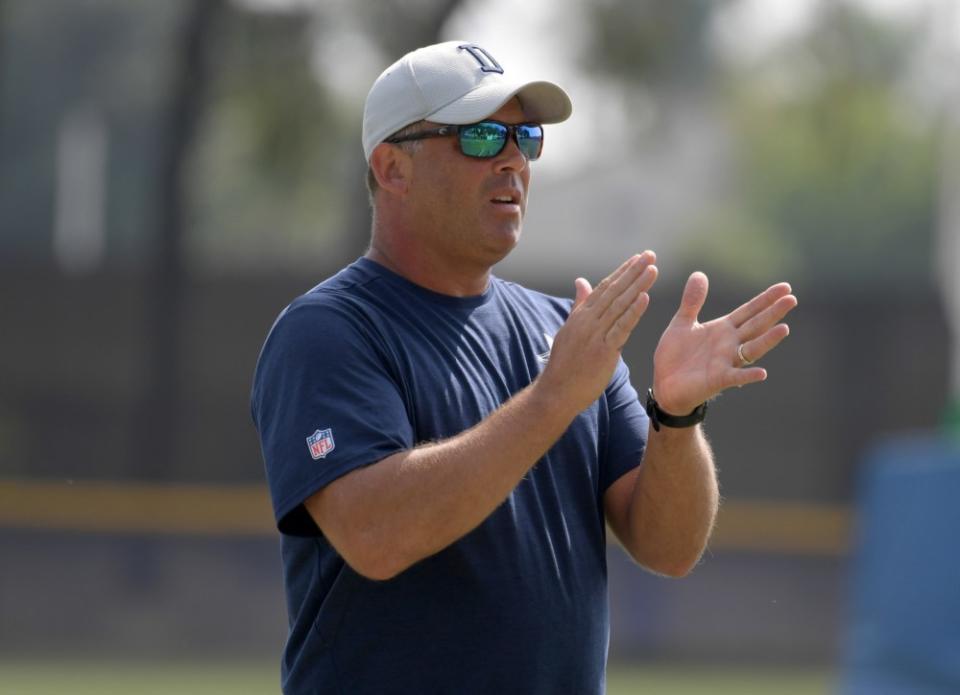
(455, 82)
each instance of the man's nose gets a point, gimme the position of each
(511, 158)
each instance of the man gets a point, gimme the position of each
(445, 448)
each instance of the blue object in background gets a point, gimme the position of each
(904, 634)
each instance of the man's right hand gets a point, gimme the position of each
(586, 349)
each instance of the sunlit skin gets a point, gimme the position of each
(436, 222)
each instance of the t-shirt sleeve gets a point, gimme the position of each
(626, 428)
(325, 402)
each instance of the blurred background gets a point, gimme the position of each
(172, 174)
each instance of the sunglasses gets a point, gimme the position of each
(487, 138)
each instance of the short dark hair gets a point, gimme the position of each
(410, 146)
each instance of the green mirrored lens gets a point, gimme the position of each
(530, 140)
(483, 139)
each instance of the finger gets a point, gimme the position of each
(694, 295)
(646, 258)
(623, 302)
(746, 311)
(598, 292)
(648, 277)
(623, 294)
(619, 332)
(757, 348)
(770, 316)
(747, 375)
(620, 270)
(617, 282)
(583, 290)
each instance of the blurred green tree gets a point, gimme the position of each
(265, 171)
(278, 177)
(833, 174)
(837, 176)
(656, 44)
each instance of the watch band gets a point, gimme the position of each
(658, 417)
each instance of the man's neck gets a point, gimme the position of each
(430, 271)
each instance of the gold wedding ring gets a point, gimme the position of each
(743, 359)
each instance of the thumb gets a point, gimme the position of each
(583, 291)
(694, 295)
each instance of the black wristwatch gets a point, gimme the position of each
(658, 417)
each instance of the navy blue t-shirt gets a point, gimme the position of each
(368, 364)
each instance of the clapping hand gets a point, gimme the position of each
(695, 361)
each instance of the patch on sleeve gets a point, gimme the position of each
(321, 443)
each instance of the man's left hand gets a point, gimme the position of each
(695, 361)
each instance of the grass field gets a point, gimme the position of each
(702, 680)
(78, 678)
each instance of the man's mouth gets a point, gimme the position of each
(507, 198)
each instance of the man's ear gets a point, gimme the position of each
(392, 167)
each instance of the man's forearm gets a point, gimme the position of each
(674, 501)
(387, 516)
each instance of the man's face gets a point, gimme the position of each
(467, 209)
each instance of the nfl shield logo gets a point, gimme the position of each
(321, 443)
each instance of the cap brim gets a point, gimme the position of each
(543, 102)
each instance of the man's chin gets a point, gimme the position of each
(503, 242)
